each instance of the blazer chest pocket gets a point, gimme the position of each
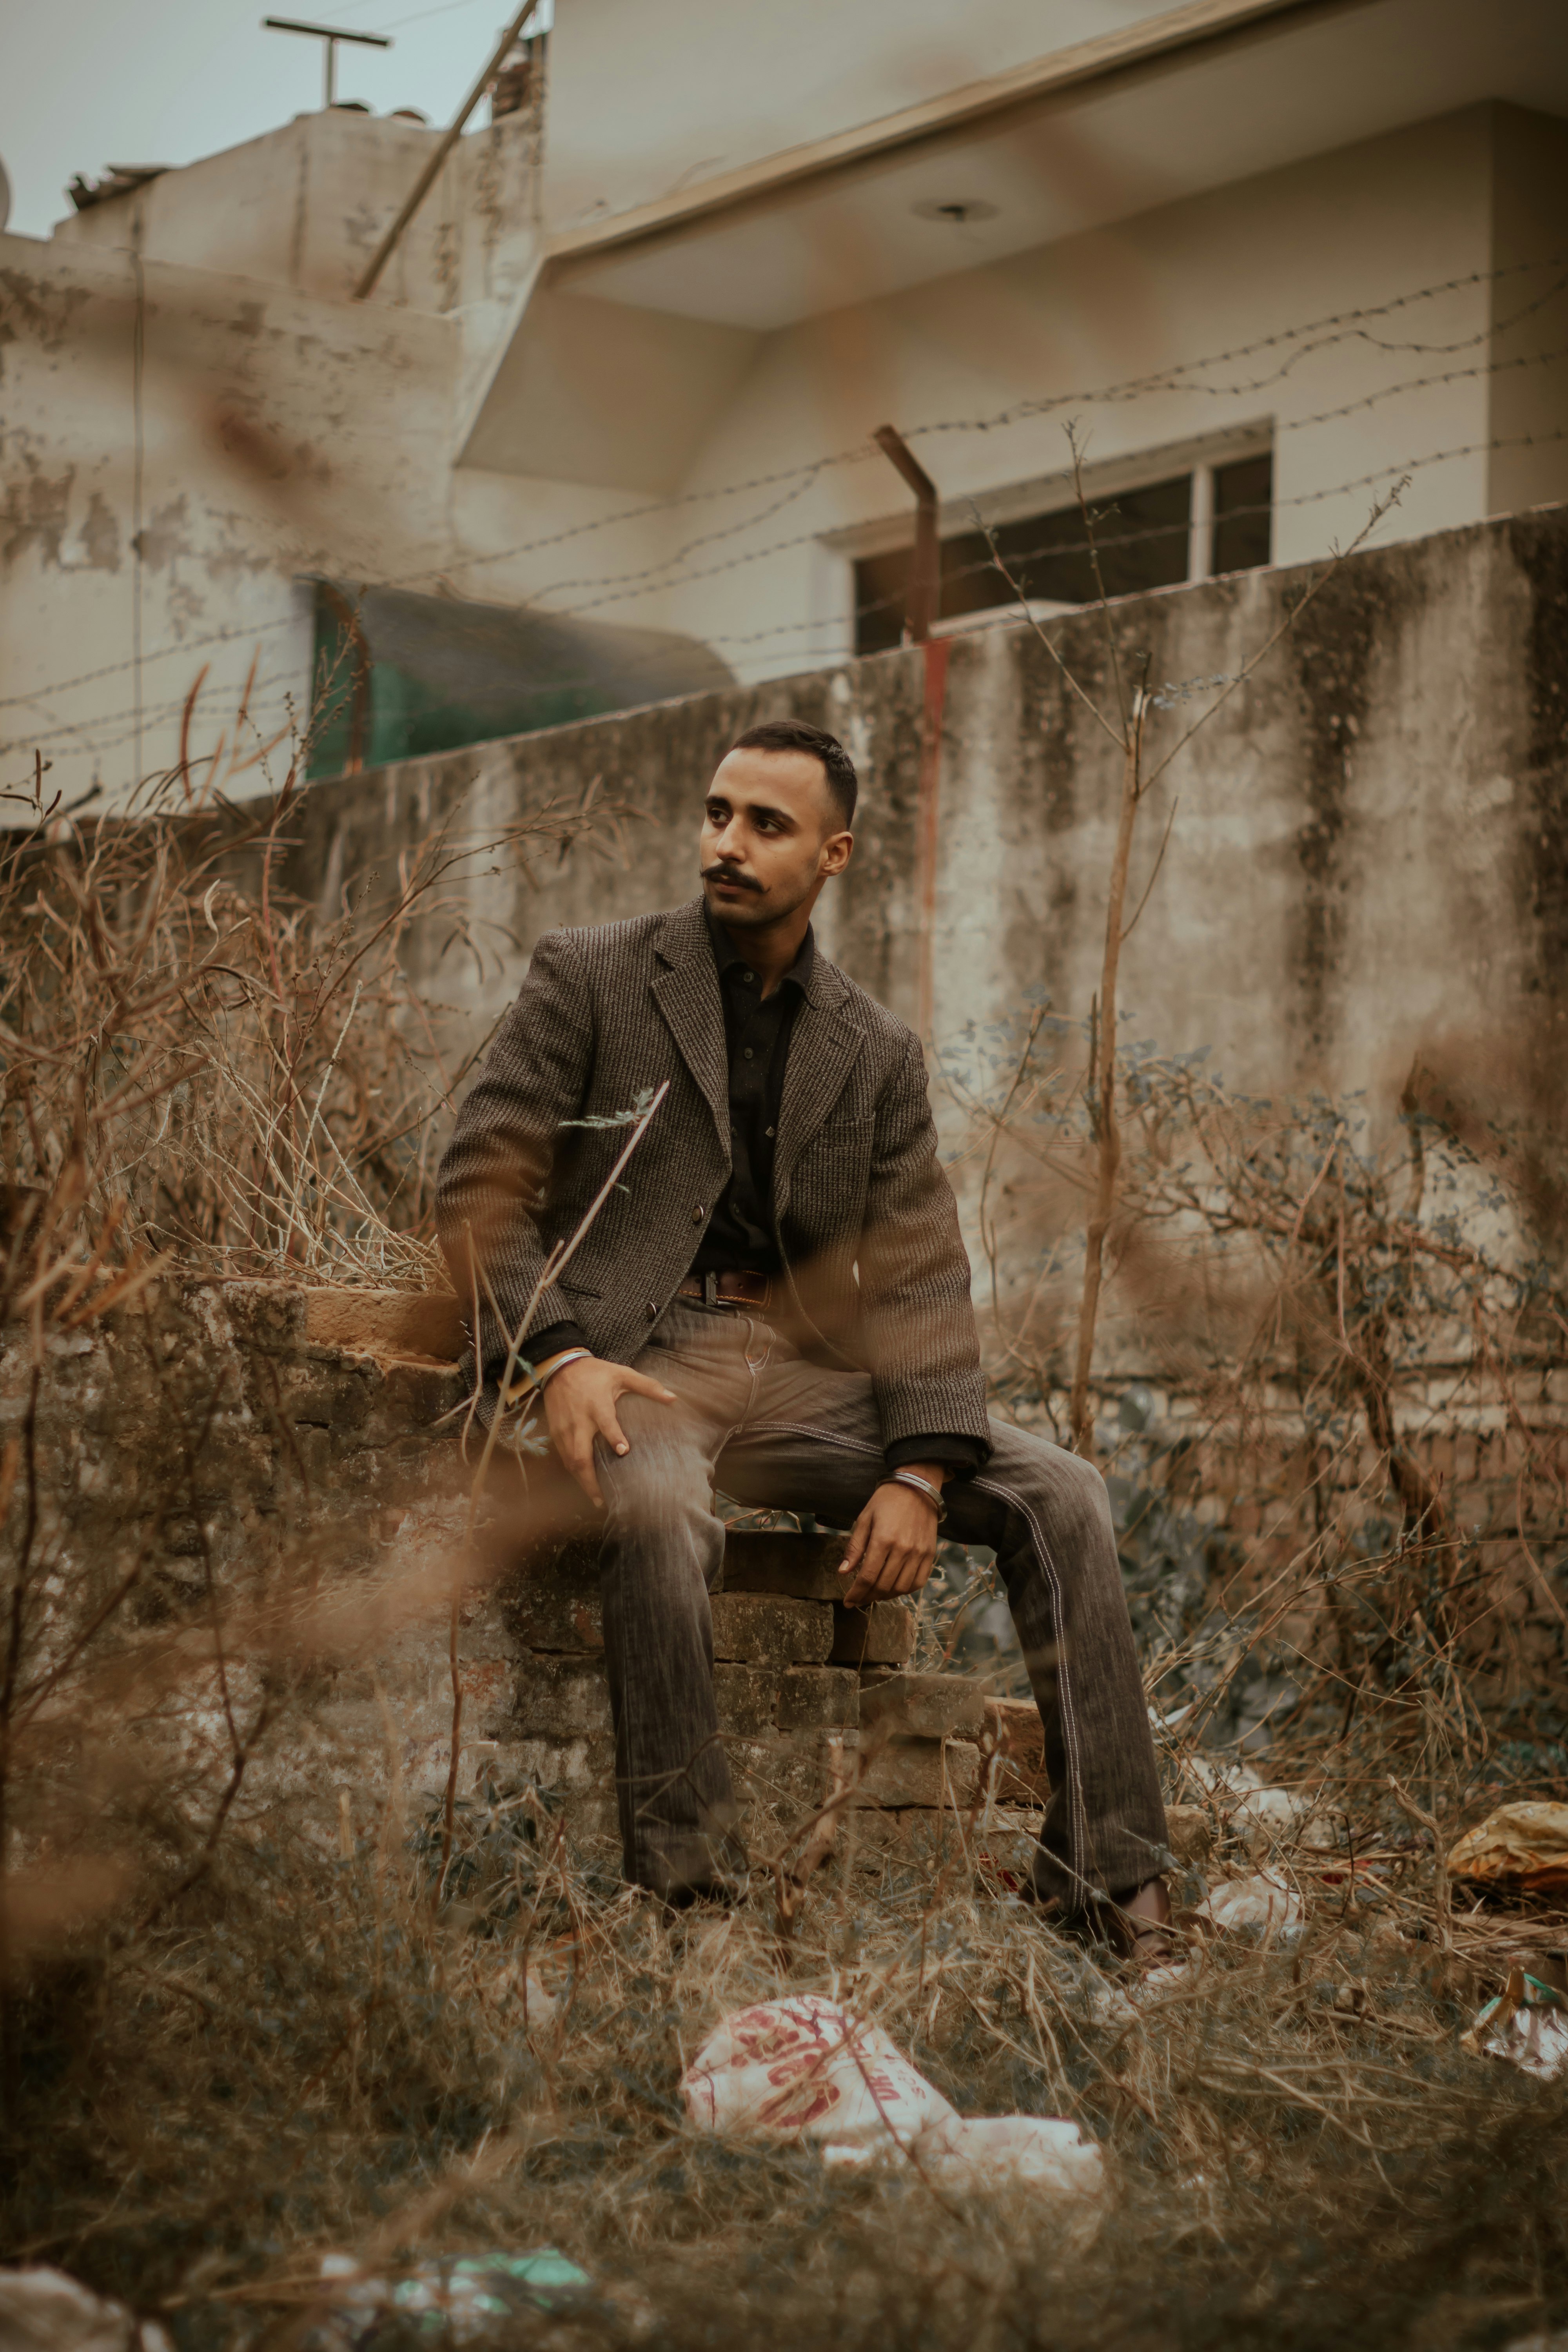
(841, 1139)
(835, 1169)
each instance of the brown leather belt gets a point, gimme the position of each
(738, 1288)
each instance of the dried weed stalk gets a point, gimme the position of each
(197, 1067)
(1127, 728)
(202, 1077)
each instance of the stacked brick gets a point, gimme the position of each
(805, 1686)
(243, 1431)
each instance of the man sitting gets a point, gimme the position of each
(777, 1300)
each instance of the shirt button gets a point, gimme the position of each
(768, 1130)
(747, 1051)
(750, 978)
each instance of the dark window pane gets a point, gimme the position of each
(881, 585)
(1141, 537)
(1242, 514)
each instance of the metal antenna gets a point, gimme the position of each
(331, 35)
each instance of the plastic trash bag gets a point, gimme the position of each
(1526, 2026)
(1523, 1847)
(1262, 1814)
(450, 2301)
(47, 2311)
(1262, 1903)
(805, 2069)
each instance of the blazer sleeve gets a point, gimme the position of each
(917, 1317)
(495, 1171)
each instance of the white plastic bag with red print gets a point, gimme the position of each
(805, 2069)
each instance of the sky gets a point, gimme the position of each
(84, 83)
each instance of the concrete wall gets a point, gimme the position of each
(1369, 851)
(280, 435)
(307, 205)
(263, 427)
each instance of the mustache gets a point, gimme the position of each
(728, 874)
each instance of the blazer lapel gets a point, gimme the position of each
(687, 995)
(822, 1050)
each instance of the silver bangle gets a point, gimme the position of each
(921, 1487)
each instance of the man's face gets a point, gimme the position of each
(772, 834)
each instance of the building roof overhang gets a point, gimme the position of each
(681, 290)
(939, 128)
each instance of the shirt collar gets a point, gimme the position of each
(730, 958)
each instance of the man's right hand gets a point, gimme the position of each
(580, 1405)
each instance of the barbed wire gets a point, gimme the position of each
(793, 482)
(1137, 387)
(619, 589)
(656, 576)
(1002, 614)
(861, 453)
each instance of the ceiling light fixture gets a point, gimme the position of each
(960, 210)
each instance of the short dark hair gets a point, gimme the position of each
(795, 735)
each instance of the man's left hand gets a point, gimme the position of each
(893, 1545)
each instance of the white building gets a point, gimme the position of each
(1270, 259)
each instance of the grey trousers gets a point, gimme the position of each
(778, 1432)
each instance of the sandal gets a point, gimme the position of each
(1135, 1923)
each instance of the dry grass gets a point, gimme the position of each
(310, 2058)
(202, 1070)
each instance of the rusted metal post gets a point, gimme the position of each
(921, 613)
(921, 608)
(449, 138)
(359, 714)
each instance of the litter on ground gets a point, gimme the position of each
(1261, 1904)
(1521, 1847)
(805, 2069)
(1259, 1812)
(1526, 2026)
(451, 2302)
(47, 2311)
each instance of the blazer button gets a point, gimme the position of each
(697, 1215)
(652, 1312)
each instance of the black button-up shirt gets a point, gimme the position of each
(741, 1233)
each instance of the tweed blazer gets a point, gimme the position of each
(876, 1274)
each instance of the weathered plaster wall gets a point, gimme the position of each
(306, 206)
(262, 434)
(193, 418)
(1369, 850)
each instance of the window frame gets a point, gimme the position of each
(1200, 457)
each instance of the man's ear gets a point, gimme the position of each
(836, 852)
